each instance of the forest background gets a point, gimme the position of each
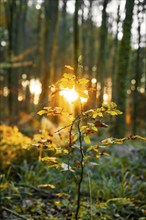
(104, 41)
(96, 52)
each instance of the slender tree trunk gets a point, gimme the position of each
(115, 57)
(91, 39)
(9, 8)
(62, 38)
(20, 21)
(83, 40)
(51, 24)
(101, 63)
(15, 20)
(40, 31)
(10, 14)
(137, 78)
(122, 69)
(76, 37)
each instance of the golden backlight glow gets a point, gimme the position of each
(69, 94)
(35, 89)
(105, 98)
(83, 100)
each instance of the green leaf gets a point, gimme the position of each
(87, 140)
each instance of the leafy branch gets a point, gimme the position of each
(82, 126)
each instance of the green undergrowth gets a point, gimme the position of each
(113, 188)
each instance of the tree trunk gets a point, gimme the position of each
(15, 20)
(101, 63)
(76, 38)
(122, 69)
(51, 24)
(91, 39)
(62, 38)
(83, 41)
(115, 57)
(137, 77)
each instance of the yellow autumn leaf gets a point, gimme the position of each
(50, 159)
(83, 81)
(113, 105)
(83, 94)
(118, 142)
(105, 153)
(46, 186)
(94, 115)
(82, 128)
(112, 112)
(41, 112)
(69, 76)
(94, 128)
(87, 140)
(75, 137)
(94, 148)
(47, 108)
(69, 67)
(61, 194)
(107, 141)
(100, 114)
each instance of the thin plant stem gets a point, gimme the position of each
(90, 191)
(69, 156)
(81, 173)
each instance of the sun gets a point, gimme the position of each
(69, 94)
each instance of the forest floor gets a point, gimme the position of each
(114, 188)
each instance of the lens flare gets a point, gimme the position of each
(94, 80)
(69, 94)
